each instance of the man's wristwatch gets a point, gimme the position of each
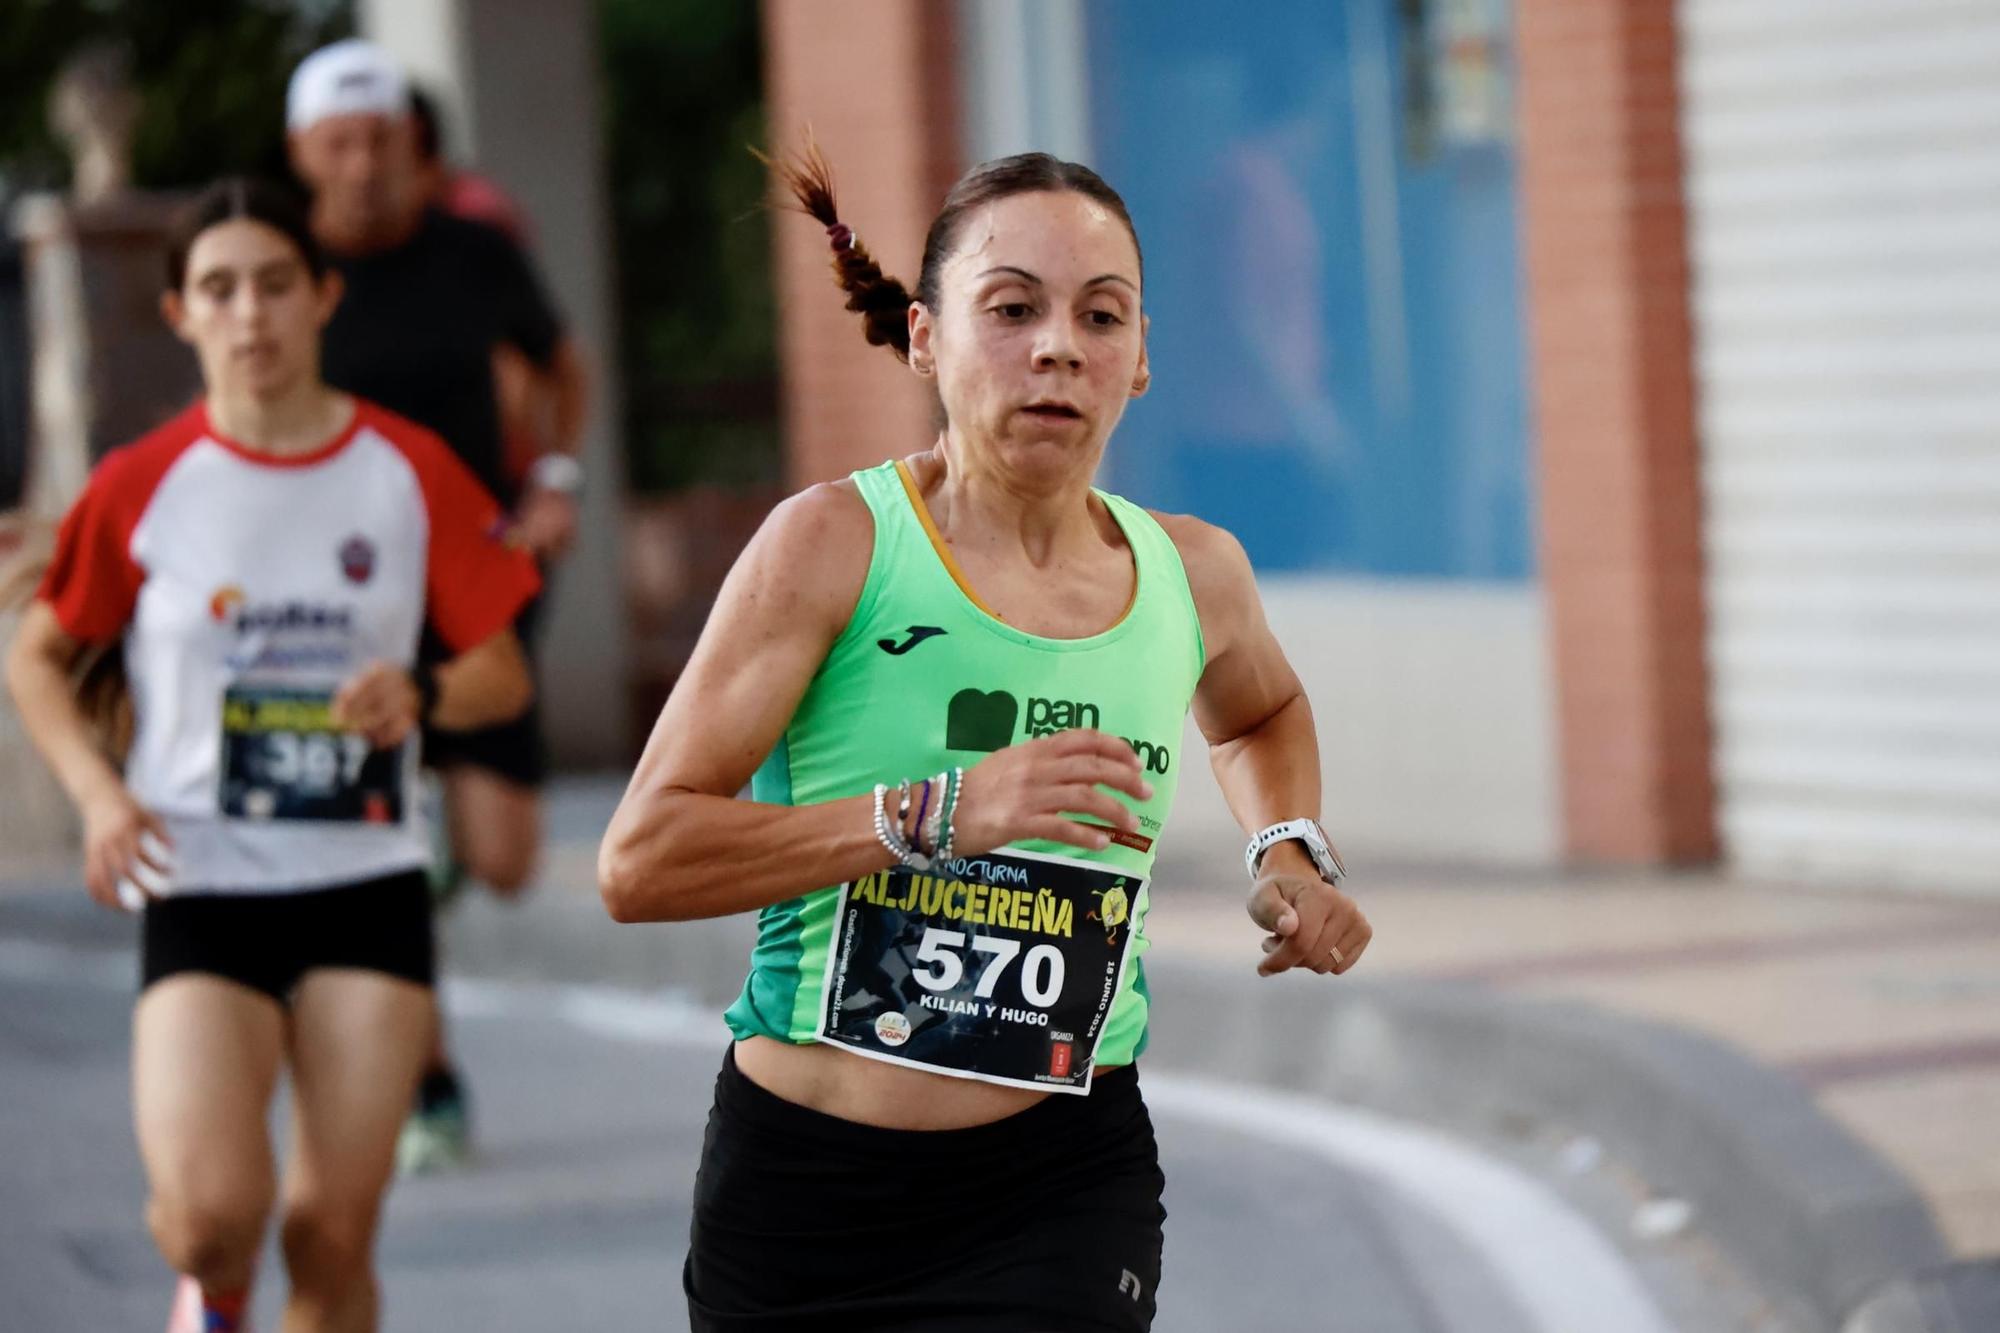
(558, 472)
(424, 676)
(1307, 831)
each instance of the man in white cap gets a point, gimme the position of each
(429, 299)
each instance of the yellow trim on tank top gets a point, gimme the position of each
(944, 554)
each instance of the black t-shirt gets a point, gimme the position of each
(417, 327)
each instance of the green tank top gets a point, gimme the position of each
(924, 678)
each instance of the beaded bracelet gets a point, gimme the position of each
(891, 836)
(928, 841)
(948, 805)
(932, 836)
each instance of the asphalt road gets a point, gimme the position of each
(589, 1112)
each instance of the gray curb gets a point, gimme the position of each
(1797, 1200)
(1964, 1298)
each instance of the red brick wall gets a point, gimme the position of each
(1605, 251)
(874, 79)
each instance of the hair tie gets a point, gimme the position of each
(841, 236)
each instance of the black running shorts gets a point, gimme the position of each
(1047, 1220)
(268, 941)
(512, 750)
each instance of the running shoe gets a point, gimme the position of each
(438, 1134)
(189, 1315)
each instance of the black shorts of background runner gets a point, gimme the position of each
(515, 750)
(1047, 1220)
(268, 941)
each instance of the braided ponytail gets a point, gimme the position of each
(882, 302)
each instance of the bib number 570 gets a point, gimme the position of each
(942, 965)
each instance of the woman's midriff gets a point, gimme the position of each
(870, 1092)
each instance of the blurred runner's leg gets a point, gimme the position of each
(205, 1054)
(358, 1040)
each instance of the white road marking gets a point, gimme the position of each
(1564, 1274)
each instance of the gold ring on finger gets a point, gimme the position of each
(1338, 959)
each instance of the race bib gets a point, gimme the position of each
(1000, 967)
(284, 758)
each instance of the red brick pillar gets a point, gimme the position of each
(1606, 258)
(874, 79)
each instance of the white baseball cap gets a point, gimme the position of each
(353, 77)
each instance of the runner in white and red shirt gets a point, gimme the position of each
(269, 560)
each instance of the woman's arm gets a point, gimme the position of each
(682, 845)
(483, 686)
(38, 676)
(1264, 751)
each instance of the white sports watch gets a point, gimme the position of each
(1307, 831)
(558, 472)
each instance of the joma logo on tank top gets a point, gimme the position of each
(984, 720)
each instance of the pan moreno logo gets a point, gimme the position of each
(978, 719)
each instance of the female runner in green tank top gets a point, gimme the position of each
(959, 681)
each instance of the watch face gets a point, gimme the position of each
(1323, 854)
(1309, 834)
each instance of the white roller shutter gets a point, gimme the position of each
(1843, 178)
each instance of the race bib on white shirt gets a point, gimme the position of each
(284, 757)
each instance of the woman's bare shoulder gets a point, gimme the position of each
(1219, 577)
(1212, 556)
(828, 511)
(811, 554)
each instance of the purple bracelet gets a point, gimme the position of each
(923, 804)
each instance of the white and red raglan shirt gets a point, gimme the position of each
(248, 589)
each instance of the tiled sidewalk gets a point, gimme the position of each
(1886, 1005)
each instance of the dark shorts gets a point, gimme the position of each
(1047, 1220)
(513, 750)
(268, 941)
